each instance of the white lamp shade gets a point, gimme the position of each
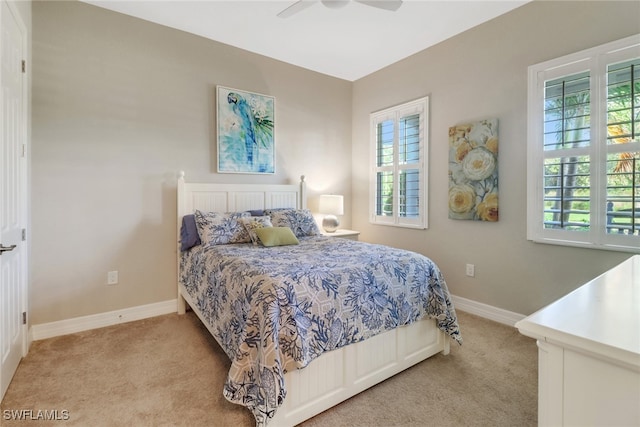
(331, 204)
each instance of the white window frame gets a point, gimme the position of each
(595, 61)
(420, 106)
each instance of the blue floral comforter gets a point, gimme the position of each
(276, 309)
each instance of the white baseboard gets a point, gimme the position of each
(94, 321)
(487, 311)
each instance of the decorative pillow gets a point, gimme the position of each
(217, 228)
(188, 233)
(300, 221)
(276, 236)
(253, 223)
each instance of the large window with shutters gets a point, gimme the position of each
(584, 148)
(399, 179)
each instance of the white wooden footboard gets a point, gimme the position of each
(340, 374)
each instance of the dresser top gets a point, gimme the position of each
(601, 317)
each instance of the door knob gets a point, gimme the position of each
(6, 248)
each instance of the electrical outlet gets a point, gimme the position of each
(471, 270)
(112, 278)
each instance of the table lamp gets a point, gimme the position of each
(331, 205)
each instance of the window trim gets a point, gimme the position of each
(594, 60)
(420, 106)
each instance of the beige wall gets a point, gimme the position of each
(479, 74)
(119, 106)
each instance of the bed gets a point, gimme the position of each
(305, 325)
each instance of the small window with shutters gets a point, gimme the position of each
(399, 180)
(584, 148)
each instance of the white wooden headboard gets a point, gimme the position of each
(212, 197)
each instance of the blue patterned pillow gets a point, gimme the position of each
(217, 228)
(300, 221)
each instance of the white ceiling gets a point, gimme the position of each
(348, 43)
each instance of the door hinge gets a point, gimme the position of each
(24, 234)
(24, 150)
(24, 66)
(24, 317)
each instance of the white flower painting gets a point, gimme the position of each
(473, 171)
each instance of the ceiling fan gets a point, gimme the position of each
(300, 5)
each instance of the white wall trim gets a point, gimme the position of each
(94, 321)
(487, 311)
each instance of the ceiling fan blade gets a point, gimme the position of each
(296, 7)
(391, 5)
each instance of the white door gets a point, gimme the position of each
(12, 195)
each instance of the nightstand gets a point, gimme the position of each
(345, 234)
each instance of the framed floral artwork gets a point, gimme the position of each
(246, 126)
(473, 171)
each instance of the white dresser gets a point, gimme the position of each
(589, 352)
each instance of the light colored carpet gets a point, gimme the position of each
(169, 371)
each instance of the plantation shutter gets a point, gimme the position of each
(623, 164)
(583, 175)
(400, 185)
(567, 136)
(409, 166)
(385, 131)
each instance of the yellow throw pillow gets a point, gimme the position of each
(276, 236)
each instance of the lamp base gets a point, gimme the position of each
(330, 223)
